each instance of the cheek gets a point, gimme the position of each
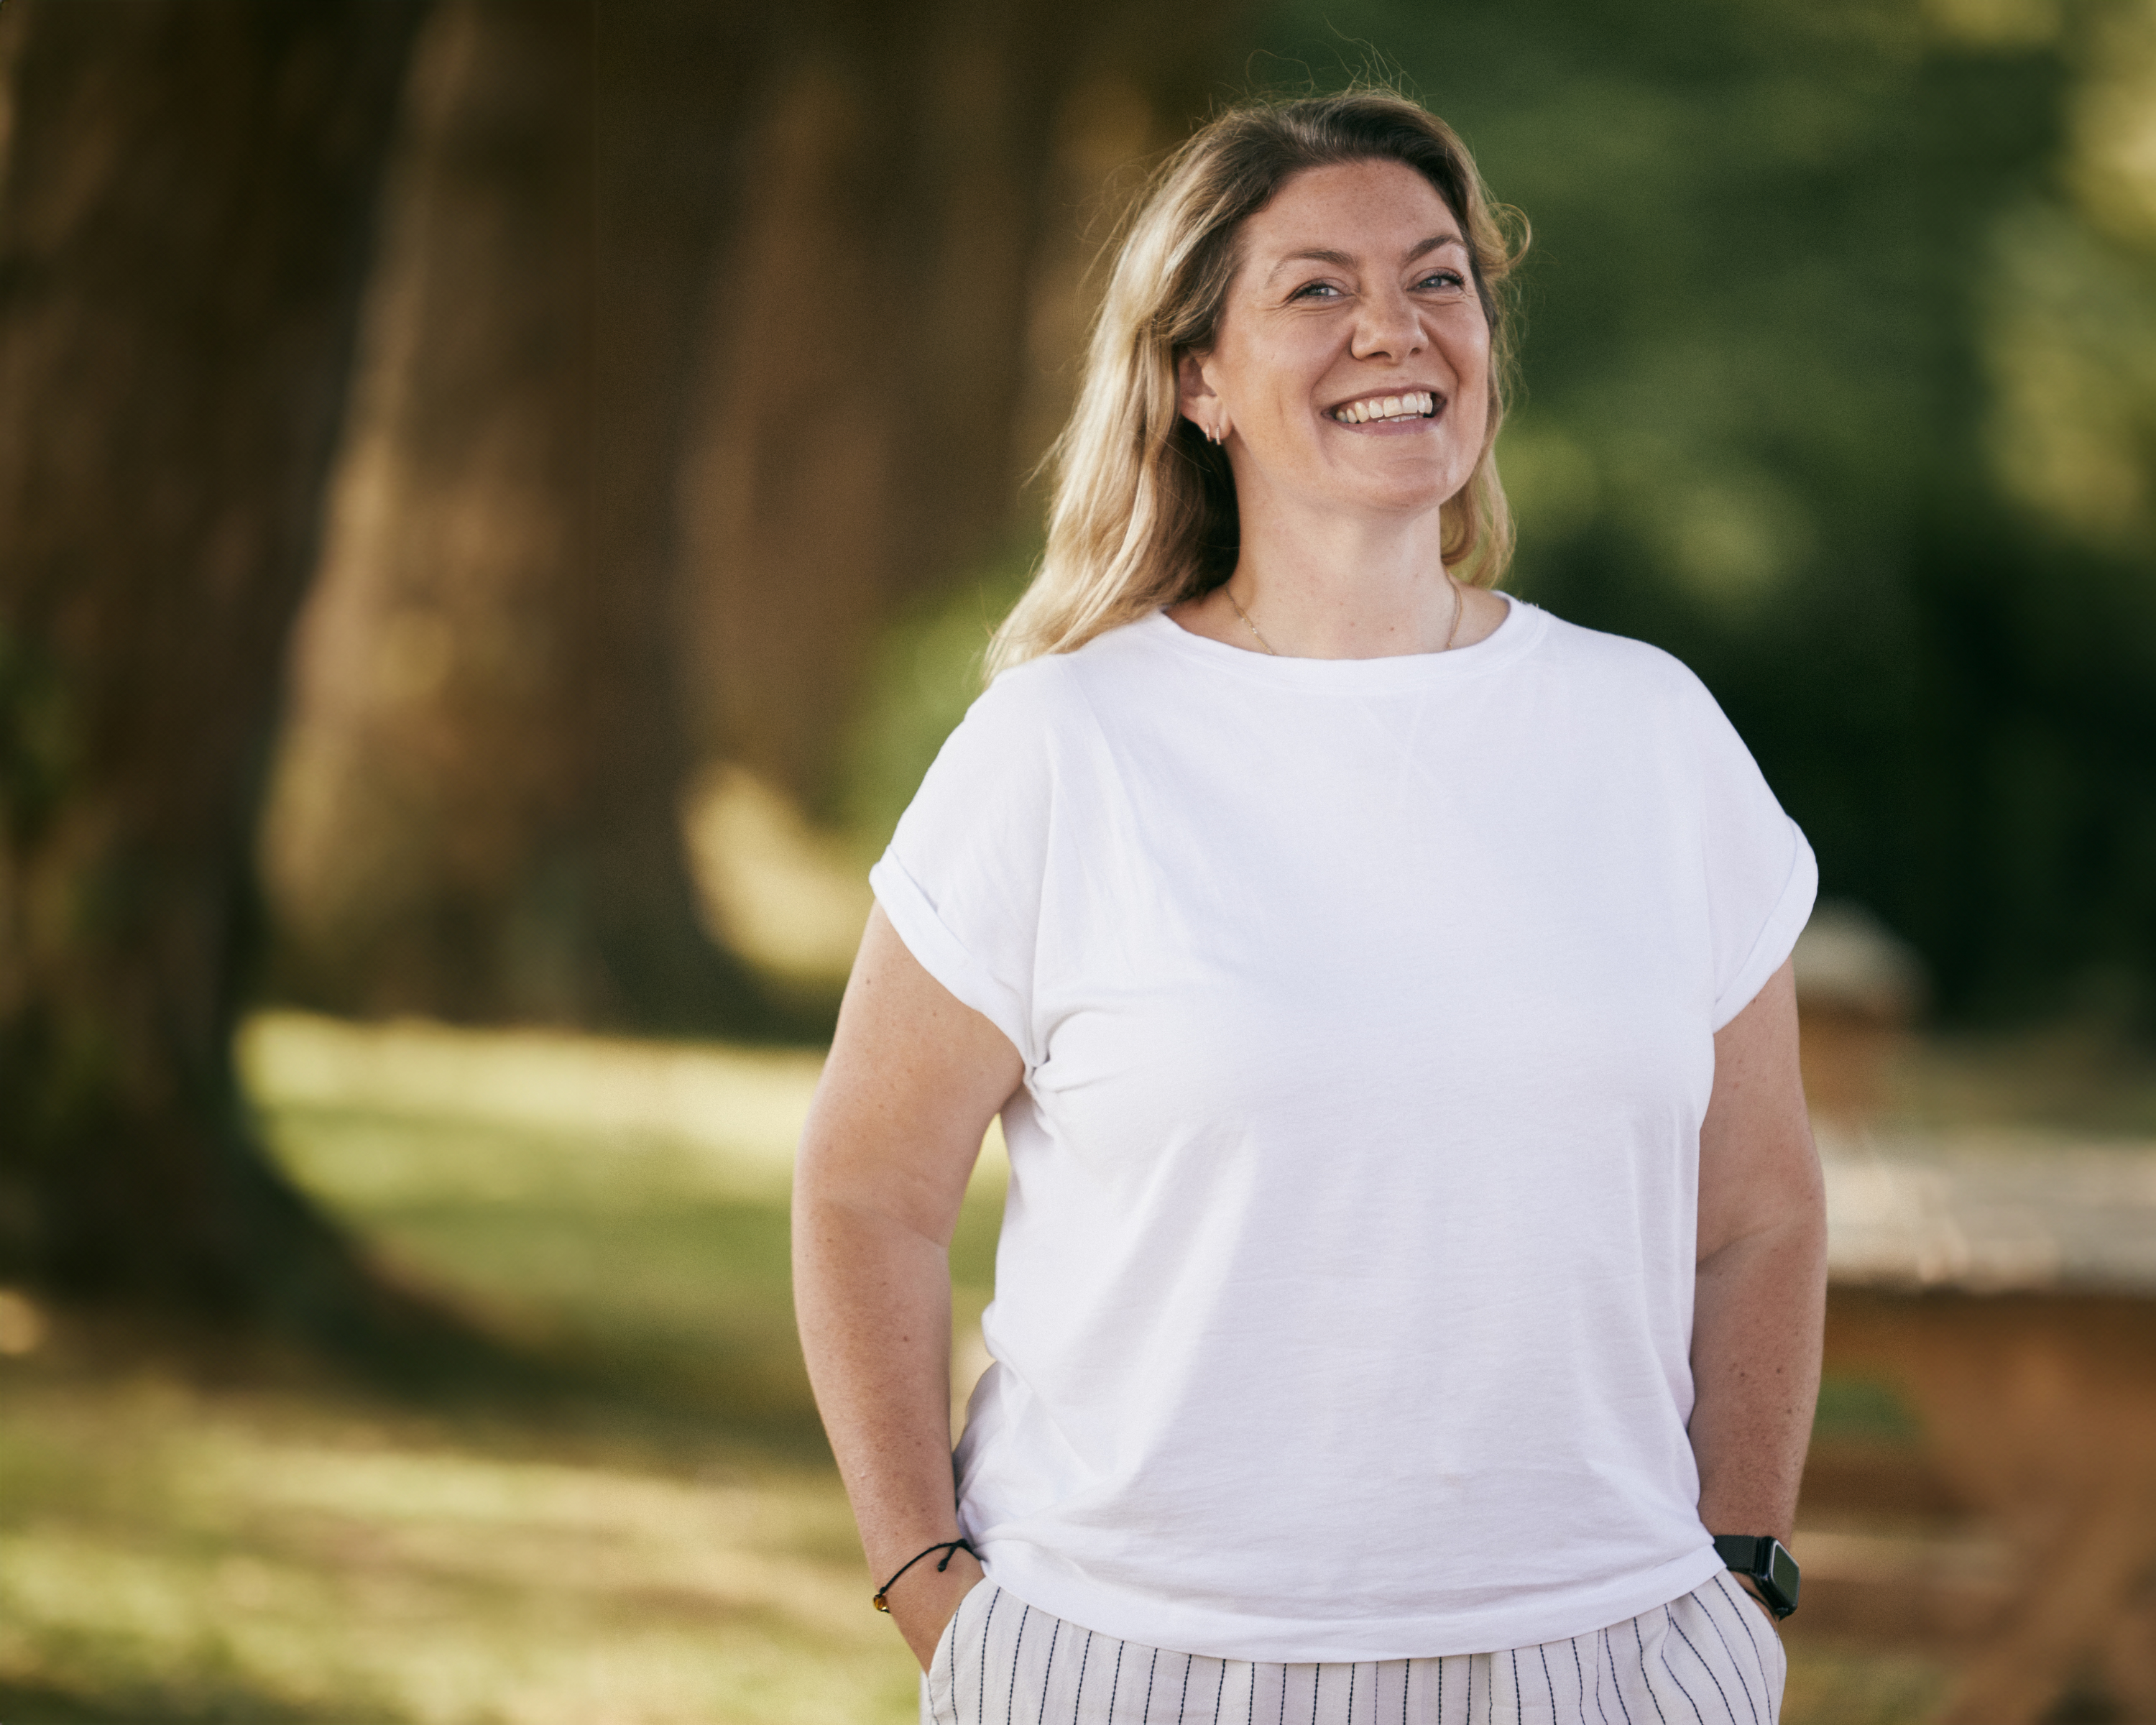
(1473, 346)
(1256, 382)
(1478, 409)
(1472, 364)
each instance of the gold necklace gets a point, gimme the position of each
(1451, 632)
(1252, 627)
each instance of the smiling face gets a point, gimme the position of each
(1351, 369)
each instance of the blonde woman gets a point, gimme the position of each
(1413, 1259)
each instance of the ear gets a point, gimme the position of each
(1195, 397)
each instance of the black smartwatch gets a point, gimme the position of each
(1767, 1561)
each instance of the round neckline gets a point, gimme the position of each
(1514, 632)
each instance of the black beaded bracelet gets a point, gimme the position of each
(949, 1548)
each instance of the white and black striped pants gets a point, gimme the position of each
(1709, 1658)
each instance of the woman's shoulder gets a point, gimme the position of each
(1026, 715)
(1620, 666)
(1632, 695)
(1022, 734)
(1057, 689)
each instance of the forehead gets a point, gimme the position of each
(1363, 209)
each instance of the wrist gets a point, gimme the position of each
(1764, 1567)
(922, 1602)
(943, 1551)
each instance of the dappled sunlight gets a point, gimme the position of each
(668, 1543)
(352, 1561)
(386, 1577)
(743, 1106)
(739, 1109)
(496, 537)
(789, 898)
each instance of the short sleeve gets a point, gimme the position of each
(1761, 875)
(962, 878)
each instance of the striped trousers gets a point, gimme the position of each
(1709, 1658)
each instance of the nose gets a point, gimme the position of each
(1390, 327)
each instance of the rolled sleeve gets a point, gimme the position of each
(944, 956)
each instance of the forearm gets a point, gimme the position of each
(873, 1297)
(913, 1080)
(1757, 1325)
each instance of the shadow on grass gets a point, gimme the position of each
(669, 1393)
(571, 1418)
(561, 1276)
(492, 1321)
(537, 1277)
(611, 1327)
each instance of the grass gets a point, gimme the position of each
(190, 1538)
(258, 1558)
(667, 1542)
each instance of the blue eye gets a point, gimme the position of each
(1312, 289)
(1445, 280)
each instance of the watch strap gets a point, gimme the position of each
(1740, 1551)
(1767, 1562)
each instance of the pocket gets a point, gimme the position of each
(961, 1635)
(1755, 1612)
(1766, 1634)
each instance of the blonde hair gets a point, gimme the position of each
(1144, 510)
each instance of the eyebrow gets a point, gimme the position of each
(1326, 254)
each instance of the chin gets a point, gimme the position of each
(1408, 497)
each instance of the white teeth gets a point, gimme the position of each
(1416, 405)
(1387, 406)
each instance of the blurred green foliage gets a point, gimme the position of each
(1840, 369)
(1840, 384)
(1863, 1410)
(924, 673)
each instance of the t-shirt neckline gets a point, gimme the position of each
(1522, 624)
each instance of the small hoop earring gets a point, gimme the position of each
(1213, 434)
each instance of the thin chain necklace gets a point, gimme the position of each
(1451, 633)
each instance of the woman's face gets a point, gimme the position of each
(1351, 369)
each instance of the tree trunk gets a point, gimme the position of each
(185, 220)
(477, 806)
(893, 330)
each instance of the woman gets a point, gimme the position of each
(1414, 1256)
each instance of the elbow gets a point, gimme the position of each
(1792, 1235)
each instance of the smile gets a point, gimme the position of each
(1414, 404)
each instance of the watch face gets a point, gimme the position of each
(1781, 1571)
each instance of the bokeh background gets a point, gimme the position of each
(500, 501)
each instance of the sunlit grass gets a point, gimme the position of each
(176, 1554)
(665, 1542)
(669, 1544)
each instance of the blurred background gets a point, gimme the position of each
(502, 500)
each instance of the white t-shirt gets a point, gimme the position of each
(1343, 1303)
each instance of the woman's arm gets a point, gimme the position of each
(1761, 1299)
(913, 1080)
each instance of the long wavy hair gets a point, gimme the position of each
(1144, 511)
